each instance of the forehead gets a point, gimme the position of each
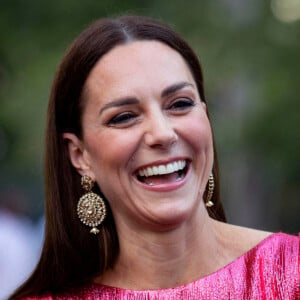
(139, 63)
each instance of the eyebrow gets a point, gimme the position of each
(120, 102)
(174, 88)
(132, 100)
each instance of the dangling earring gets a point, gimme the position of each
(91, 207)
(211, 186)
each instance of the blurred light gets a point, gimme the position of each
(286, 10)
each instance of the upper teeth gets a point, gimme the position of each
(163, 169)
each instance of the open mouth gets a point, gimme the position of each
(163, 173)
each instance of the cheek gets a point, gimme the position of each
(112, 150)
(198, 133)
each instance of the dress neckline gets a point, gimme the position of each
(209, 276)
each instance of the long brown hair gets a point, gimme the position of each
(70, 255)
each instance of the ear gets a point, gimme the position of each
(78, 155)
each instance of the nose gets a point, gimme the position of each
(160, 132)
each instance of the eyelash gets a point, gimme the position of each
(121, 118)
(179, 105)
(182, 104)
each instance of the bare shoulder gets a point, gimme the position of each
(249, 236)
(240, 239)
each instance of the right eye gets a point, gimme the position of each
(122, 118)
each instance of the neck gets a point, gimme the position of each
(153, 260)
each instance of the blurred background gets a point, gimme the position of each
(250, 54)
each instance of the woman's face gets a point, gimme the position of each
(146, 137)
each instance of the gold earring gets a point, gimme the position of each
(211, 186)
(91, 208)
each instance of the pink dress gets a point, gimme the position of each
(271, 270)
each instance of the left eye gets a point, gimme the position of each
(182, 104)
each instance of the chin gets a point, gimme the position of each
(167, 218)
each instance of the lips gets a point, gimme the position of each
(163, 173)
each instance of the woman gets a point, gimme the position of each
(127, 114)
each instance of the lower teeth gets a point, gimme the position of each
(180, 175)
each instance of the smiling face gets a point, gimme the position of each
(146, 136)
